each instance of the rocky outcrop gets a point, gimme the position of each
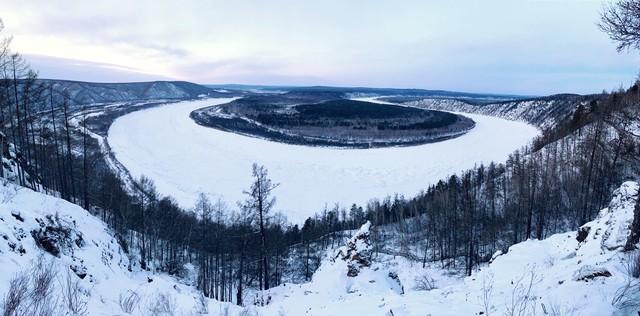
(612, 228)
(357, 251)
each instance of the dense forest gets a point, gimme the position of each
(556, 184)
(336, 122)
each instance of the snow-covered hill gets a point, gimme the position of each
(46, 237)
(43, 237)
(555, 276)
(543, 112)
(93, 92)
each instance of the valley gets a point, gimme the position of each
(164, 144)
(320, 159)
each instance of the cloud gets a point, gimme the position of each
(71, 69)
(526, 47)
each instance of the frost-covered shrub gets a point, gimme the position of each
(632, 264)
(163, 305)
(424, 283)
(73, 295)
(202, 306)
(16, 294)
(249, 311)
(523, 300)
(626, 296)
(129, 301)
(556, 309)
(32, 292)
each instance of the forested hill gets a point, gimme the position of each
(544, 112)
(79, 92)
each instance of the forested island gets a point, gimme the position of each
(336, 122)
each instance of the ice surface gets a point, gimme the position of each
(184, 159)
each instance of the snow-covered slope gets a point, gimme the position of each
(76, 246)
(94, 92)
(542, 112)
(560, 275)
(555, 276)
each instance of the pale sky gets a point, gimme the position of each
(509, 46)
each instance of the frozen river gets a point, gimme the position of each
(184, 159)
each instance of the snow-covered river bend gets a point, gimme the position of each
(184, 159)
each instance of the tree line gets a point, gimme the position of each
(556, 184)
(232, 249)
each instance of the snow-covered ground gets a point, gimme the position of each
(555, 276)
(89, 254)
(184, 159)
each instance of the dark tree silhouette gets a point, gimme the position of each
(260, 201)
(621, 21)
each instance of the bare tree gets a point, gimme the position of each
(487, 292)
(16, 294)
(73, 295)
(163, 305)
(621, 21)
(204, 209)
(261, 202)
(129, 301)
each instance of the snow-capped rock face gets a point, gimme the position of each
(11, 165)
(67, 237)
(580, 273)
(357, 251)
(610, 230)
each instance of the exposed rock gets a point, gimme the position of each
(80, 271)
(583, 232)
(611, 229)
(17, 215)
(57, 235)
(588, 272)
(357, 251)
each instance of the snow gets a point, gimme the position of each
(556, 274)
(184, 159)
(100, 255)
(357, 251)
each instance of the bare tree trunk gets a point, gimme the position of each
(60, 171)
(69, 153)
(85, 166)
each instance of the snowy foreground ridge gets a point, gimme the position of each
(555, 276)
(185, 159)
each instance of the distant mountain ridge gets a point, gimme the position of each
(80, 92)
(350, 92)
